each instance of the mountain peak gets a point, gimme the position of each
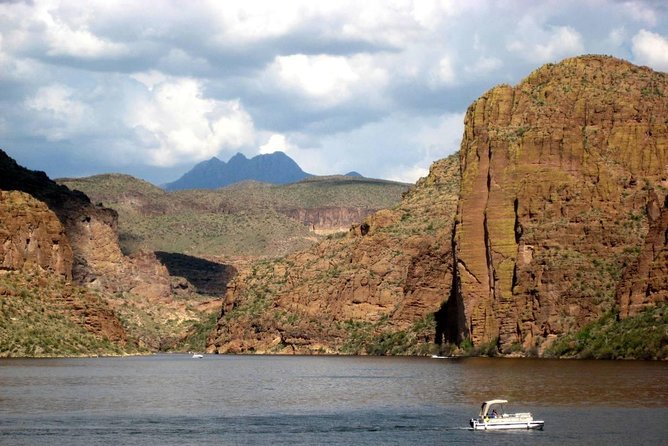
(238, 157)
(274, 168)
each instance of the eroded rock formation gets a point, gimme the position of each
(49, 227)
(92, 233)
(645, 283)
(556, 174)
(328, 220)
(32, 235)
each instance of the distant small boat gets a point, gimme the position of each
(492, 417)
(439, 357)
(197, 356)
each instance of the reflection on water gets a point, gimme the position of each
(344, 399)
(569, 382)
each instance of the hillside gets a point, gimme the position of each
(363, 291)
(274, 168)
(551, 220)
(245, 219)
(66, 287)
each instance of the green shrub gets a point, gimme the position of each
(644, 336)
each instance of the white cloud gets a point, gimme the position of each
(539, 45)
(651, 49)
(61, 115)
(251, 20)
(72, 37)
(276, 143)
(327, 79)
(484, 65)
(324, 77)
(179, 125)
(444, 73)
(407, 174)
(149, 78)
(617, 36)
(641, 12)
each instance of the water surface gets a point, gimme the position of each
(174, 399)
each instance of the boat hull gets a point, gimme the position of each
(505, 425)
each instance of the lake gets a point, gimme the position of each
(262, 400)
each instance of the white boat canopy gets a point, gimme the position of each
(486, 406)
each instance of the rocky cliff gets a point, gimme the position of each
(645, 282)
(328, 220)
(558, 220)
(43, 313)
(31, 234)
(556, 175)
(90, 229)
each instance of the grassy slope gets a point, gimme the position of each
(35, 320)
(239, 220)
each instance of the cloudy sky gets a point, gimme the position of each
(150, 88)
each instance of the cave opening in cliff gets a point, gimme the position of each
(450, 319)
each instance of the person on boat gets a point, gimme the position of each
(494, 414)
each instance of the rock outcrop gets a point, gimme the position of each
(327, 220)
(91, 230)
(557, 222)
(32, 235)
(556, 174)
(36, 258)
(50, 230)
(645, 283)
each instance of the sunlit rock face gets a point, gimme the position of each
(31, 235)
(557, 174)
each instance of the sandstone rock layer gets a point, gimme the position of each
(556, 175)
(31, 234)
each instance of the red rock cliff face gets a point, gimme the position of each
(33, 242)
(91, 231)
(556, 174)
(32, 235)
(328, 220)
(645, 283)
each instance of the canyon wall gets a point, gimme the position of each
(97, 260)
(556, 175)
(381, 279)
(645, 282)
(327, 220)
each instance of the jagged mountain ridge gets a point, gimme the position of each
(273, 168)
(558, 176)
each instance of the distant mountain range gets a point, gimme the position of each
(273, 168)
